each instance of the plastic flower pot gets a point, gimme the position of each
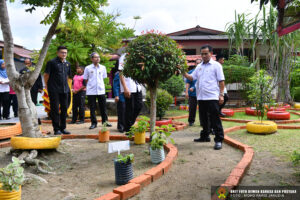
(123, 172)
(103, 136)
(14, 195)
(140, 138)
(297, 105)
(278, 115)
(264, 127)
(157, 155)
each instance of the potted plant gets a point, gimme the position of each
(163, 102)
(104, 133)
(139, 130)
(11, 179)
(260, 89)
(123, 168)
(159, 139)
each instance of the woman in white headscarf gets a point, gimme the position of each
(4, 91)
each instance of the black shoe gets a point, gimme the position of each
(202, 139)
(16, 115)
(191, 124)
(222, 115)
(72, 122)
(57, 132)
(39, 121)
(93, 126)
(218, 146)
(80, 122)
(65, 132)
(108, 124)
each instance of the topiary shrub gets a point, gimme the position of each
(163, 101)
(174, 85)
(151, 59)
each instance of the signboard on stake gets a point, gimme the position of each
(118, 146)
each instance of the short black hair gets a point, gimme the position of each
(92, 54)
(207, 46)
(219, 56)
(81, 67)
(61, 47)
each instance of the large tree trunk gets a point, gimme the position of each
(21, 84)
(153, 94)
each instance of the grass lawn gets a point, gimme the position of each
(282, 143)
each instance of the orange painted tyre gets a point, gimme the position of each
(228, 112)
(163, 122)
(278, 115)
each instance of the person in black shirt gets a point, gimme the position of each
(56, 80)
(37, 86)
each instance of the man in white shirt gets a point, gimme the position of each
(133, 96)
(94, 76)
(210, 87)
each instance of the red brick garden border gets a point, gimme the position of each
(135, 185)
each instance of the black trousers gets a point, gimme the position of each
(121, 115)
(209, 112)
(14, 102)
(4, 104)
(34, 95)
(133, 107)
(58, 119)
(225, 100)
(102, 106)
(78, 106)
(192, 109)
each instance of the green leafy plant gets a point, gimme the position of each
(163, 101)
(141, 126)
(295, 157)
(260, 88)
(161, 135)
(104, 127)
(174, 85)
(12, 176)
(237, 60)
(153, 58)
(125, 159)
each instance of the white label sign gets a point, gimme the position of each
(118, 146)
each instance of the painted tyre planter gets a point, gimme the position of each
(277, 109)
(297, 105)
(278, 115)
(140, 138)
(87, 114)
(12, 129)
(103, 136)
(182, 107)
(123, 172)
(286, 106)
(35, 143)
(14, 195)
(163, 122)
(266, 127)
(157, 155)
(250, 111)
(228, 112)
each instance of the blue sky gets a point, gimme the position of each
(163, 15)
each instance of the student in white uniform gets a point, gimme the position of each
(133, 97)
(220, 59)
(4, 92)
(94, 76)
(210, 87)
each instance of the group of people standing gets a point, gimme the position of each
(89, 81)
(8, 96)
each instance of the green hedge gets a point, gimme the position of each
(296, 93)
(174, 85)
(237, 74)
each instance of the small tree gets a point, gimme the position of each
(260, 88)
(153, 58)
